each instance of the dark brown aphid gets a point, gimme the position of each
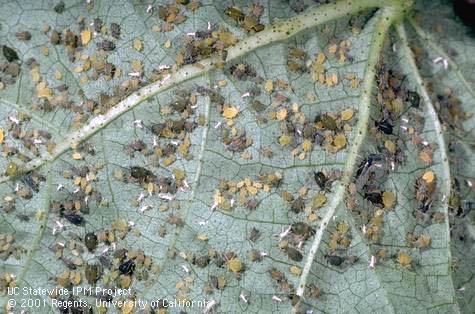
(115, 30)
(30, 182)
(106, 45)
(183, 2)
(302, 229)
(25, 36)
(127, 268)
(90, 239)
(298, 205)
(201, 261)
(254, 234)
(97, 25)
(294, 254)
(334, 260)
(75, 219)
(327, 121)
(258, 106)
(9, 53)
(55, 38)
(142, 174)
(93, 273)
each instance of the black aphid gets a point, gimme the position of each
(30, 182)
(371, 160)
(374, 197)
(128, 267)
(91, 241)
(75, 219)
(9, 53)
(414, 98)
(334, 260)
(59, 8)
(294, 254)
(384, 126)
(320, 179)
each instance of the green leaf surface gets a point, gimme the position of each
(255, 175)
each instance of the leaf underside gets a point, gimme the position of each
(219, 201)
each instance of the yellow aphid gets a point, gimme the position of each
(269, 86)
(230, 112)
(235, 265)
(43, 91)
(35, 74)
(390, 146)
(168, 44)
(343, 227)
(150, 187)
(285, 140)
(58, 75)
(339, 141)
(85, 36)
(312, 217)
(319, 200)
(128, 307)
(347, 114)
(307, 145)
(136, 65)
(138, 44)
(202, 237)
(388, 199)
(2, 136)
(425, 157)
(404, 259)
(77, 156)
(281, 114)
(222, 83)
(295, 270)
(428, 176)
(320, 58)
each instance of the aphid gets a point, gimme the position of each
(142, 174)
(59, 8)
(374, 197)
(320, 179)
(12, 169)
(23, 35)
(30, 182)
(298, 205)
(90, 239)
(9, 53)
(370, 161)
(201, 261)
(115, 30)
(302, 229)
(414, 98)
(254, 234)
(234, 14)
(294, 299)
(327, 122)
(384, 126)
(183, 2)
(334, 260)
(294, 254)
(106, 45)
(93, 273)
(75, 219)
(128, 267)
(97, 24)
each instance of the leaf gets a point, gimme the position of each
(125, 164)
